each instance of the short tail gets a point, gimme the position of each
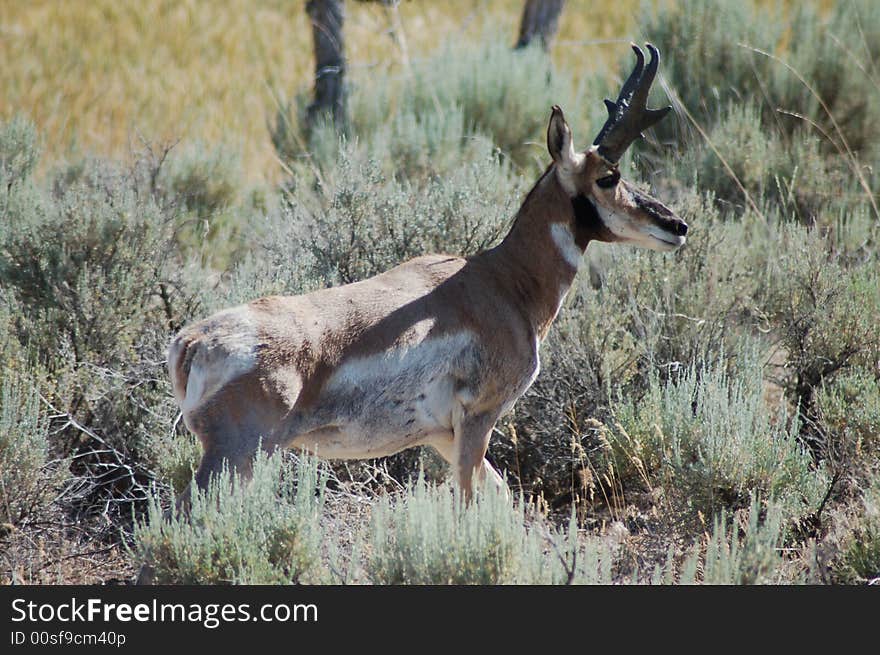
(180, 357)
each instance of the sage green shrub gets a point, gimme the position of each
(788, 174)
(860, 557)
(263, 531)
(30, 476)
(849, 410)
(19, 153)
(431, 536)
(825, 312)
(712, 61)
(428, 119)
(91, 286)
(707, 436)
(203, 184)
(361, 222)
(498, 92)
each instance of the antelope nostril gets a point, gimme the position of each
(681, 228)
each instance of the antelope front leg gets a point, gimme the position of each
(468, 456)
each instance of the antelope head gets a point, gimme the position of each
(608, 208)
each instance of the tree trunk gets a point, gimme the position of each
(327, 18)
(540, 19)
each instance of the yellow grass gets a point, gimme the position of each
(95, 75)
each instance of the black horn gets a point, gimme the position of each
(630, 114)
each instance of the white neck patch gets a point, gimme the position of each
(565, 243)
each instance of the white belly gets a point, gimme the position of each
(379, 405)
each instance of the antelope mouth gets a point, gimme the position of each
(669, 242)
(665, 240)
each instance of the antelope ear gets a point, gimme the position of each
(559, 141)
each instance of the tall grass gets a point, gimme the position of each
(746, 550)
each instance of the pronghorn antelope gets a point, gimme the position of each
(431, 352)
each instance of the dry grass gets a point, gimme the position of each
(61, 551)
(94, 76)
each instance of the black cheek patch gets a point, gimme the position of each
(585, 212)
(588, 223)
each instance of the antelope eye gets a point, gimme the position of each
(608, 181)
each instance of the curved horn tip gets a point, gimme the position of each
(639, 54)
(655, 52)
(555, 109)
